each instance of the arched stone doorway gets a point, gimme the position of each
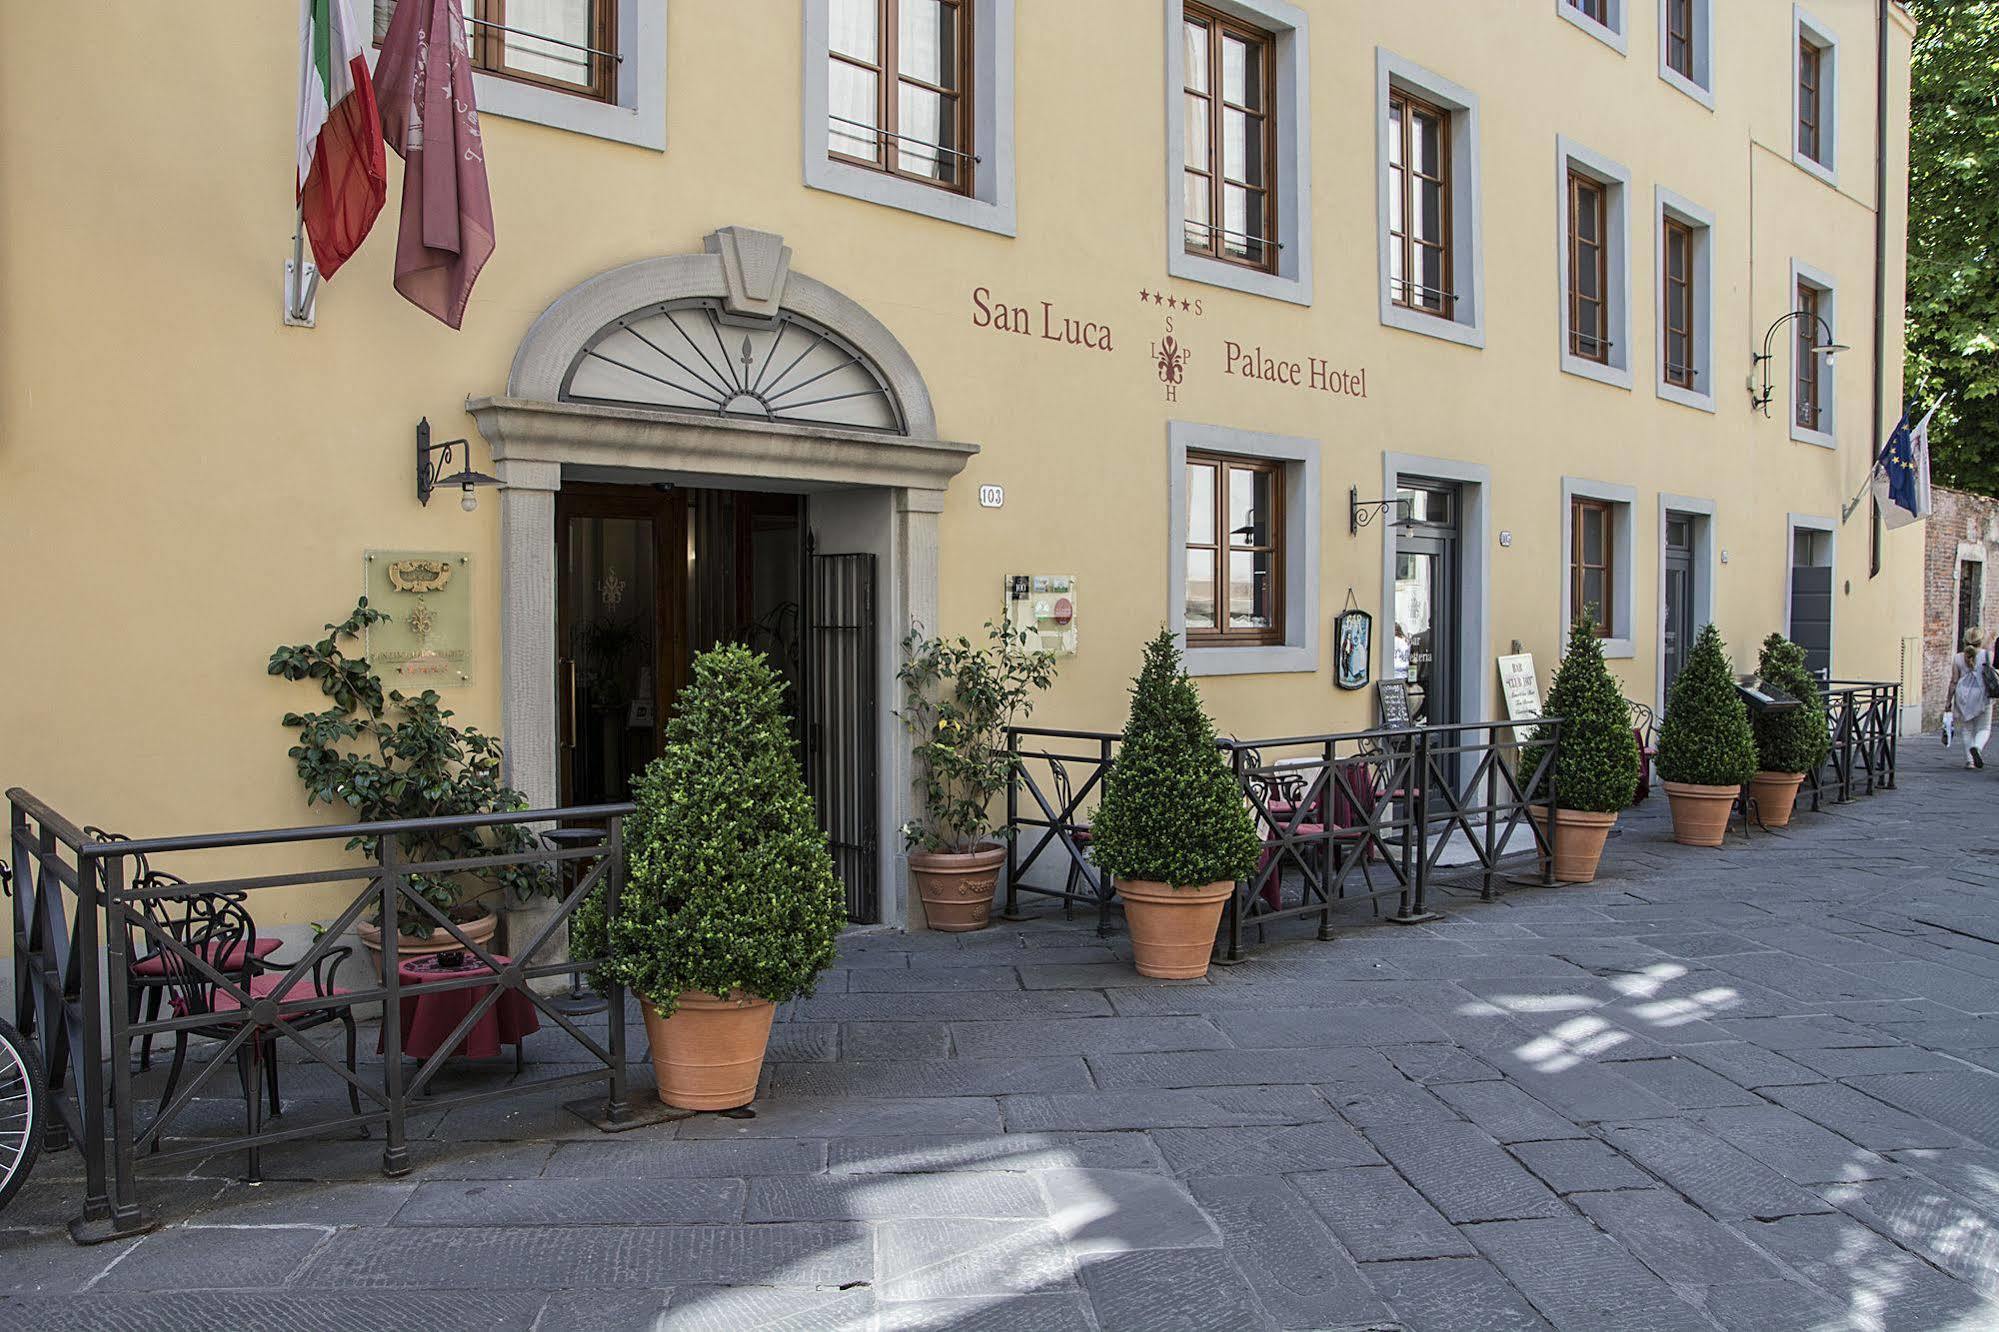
(722, 369)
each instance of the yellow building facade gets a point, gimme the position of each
(1511, 260)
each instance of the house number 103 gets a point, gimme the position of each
(991, 497)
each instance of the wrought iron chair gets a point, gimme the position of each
(1645, 727)
(146, 983)
(216, 928)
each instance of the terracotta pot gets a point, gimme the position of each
(479, 931)
(957, 886)
(1172, 929)
(1700, 813)
(707, 1056)
(1579, 838)
(1776, 796)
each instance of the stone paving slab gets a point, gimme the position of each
(1750, 1089)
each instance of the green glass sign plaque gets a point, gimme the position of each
(426, 643)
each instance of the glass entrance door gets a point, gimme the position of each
(1427, 618)
(1680, 628)
(611, 547)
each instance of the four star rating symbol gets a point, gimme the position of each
(1161, 298)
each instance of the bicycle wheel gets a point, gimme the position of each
(22, 1110)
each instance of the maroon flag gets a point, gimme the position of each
(424, 83)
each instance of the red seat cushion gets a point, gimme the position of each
(232, 958)
(264, 985)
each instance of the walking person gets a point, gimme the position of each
(1971, 697)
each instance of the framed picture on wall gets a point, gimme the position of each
(1353, 634)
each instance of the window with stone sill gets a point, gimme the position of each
(1227, 72)
(567, 45)
(1235, 551)
(896, 79)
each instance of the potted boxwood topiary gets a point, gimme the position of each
(1173, 828)
(1788, 744)
(730, 905)
(960, 699)
(1706, 749)
(1595, 766)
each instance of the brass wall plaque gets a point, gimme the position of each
(426, 643)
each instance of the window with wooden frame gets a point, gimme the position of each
(1419, 205)
(1590, 581)
(1235, 551)
(1809, 366)
(1231, 143)
(1811, 109)
(569, 45)
(1680, 38)
(1677, 309)
(1595, 10)
(898, 82)
(1589, 268)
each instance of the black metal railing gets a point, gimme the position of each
(1864, 725)
(1346, 818)
(83, 898)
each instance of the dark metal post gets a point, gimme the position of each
(126, 1218)
(1012, 821)
(1234, 952)
(90, 1103)
(1894, 728)
(1328, 835)
(1419, 830)
(1547, 852)
(395, 1149)
(1491, 806)
(1100, 880)
(617, 1105)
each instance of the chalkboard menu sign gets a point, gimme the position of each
(1762, 696)
(1394, 697)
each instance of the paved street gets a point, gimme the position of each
(1748, 1089)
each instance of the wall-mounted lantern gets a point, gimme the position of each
(1361, 512)
(430, 475)
(1759, 398)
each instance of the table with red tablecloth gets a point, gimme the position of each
(429, 1019)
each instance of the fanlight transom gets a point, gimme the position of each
(693, 356)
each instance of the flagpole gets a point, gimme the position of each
(298, 290)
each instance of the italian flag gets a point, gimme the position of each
(343, 175)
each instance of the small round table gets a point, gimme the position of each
(429, 1019)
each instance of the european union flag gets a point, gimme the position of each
(1902, 473)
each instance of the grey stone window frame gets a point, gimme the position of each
(1623, 502)
(1806, 28)
(1805, 275)
(1669, 204)
(635, 116)
(1299, 652)
(1615, 177)
(991, 204)
(1701, 86)
(1291, 104)
(1466, 325)
(1614, 34)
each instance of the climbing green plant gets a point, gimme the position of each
(1173, 811)
(729, 885)
(1595, 767)
(959, 698)
(1794, 741)
(1705, 739)
(388, 755)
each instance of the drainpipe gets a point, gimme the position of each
(1880, 251)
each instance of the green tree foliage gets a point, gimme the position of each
(1705, 739)
(1596, 758)
(386, 755)
(1794, 741)
(1172, 810)
(728, 882)
(959, 699)
(1953, 283)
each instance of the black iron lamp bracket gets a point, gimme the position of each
(1361, 512)
(1760, 395)
(432, 459)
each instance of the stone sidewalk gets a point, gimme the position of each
(1743, 1089)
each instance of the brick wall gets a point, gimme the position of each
(1963, 527)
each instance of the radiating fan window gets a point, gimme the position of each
(896, 84)
(689, 356)
(1234, 551)
(566, 44)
